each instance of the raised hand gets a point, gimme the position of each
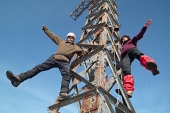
(148, 23)
(44, 28)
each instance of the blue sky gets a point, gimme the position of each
(24, 45)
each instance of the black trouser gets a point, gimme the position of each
(128, 58)
(48, 64)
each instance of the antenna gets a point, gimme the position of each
(100, 71)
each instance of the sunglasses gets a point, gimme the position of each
(70, 37)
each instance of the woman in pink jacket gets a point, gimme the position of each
(128, 53)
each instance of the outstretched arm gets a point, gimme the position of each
(84, 52)
(56, 39)
(141, 33)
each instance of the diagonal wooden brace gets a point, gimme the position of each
(79, 61)
(74, 99)
(113, 100)
(89, 84)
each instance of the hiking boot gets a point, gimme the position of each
(155, 72)
(63, 96)
(149, 64)
(129, 93)
(15, 80)
(153, 67)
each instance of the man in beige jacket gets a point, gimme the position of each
(61, 60)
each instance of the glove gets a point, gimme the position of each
(89, 50)
(83, 53)
(44, 28)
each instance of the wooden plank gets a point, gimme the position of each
(73, 99)
(79, 61)
(114, 100)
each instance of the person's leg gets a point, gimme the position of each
(16, 80)
(145, 61)
(149, 64)
(66, 77)
(128, 80)
(126, 65)
(135, 53)
(48, 64)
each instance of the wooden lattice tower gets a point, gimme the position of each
(101, 69)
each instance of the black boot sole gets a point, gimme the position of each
(155, 72)
(63, 98)
(153, 67)
(14, 81)
(10, 75)
(119, 92)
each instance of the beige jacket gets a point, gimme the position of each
(65, 50)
